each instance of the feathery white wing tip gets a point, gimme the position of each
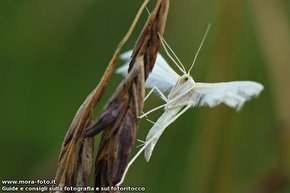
(126, 55)
(123, 70)
(233, 94)
(162, 75)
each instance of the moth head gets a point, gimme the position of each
(186, 79)
(184, 85)
(185, 82)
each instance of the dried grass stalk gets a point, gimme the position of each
(118, 119)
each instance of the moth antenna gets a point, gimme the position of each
(180, 63)
(199, 48)
(182, 69)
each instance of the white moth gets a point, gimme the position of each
(184, 93)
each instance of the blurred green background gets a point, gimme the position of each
(53, 53)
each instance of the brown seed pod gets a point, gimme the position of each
(117, 121)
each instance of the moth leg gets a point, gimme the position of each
(162, 96)
(140, 140)
(164, 44)
(143, 115)
(147, 10)
(156, 108)
(142, 143)
(150, 121)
